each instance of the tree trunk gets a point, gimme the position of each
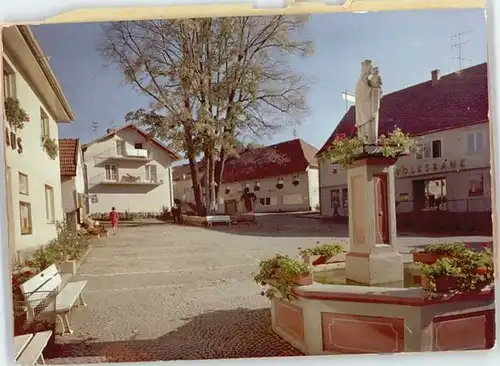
(196, 183)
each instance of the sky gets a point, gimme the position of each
(406, 46)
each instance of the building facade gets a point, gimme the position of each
(73, 187)
(33, 184)
(449, 118)
(128, 170)
(280, 178)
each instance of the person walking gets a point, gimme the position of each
(113, 217)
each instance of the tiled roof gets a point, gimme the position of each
(285, 158)
(179, 171)
(453, 101)
(112, 132)
(68, 155)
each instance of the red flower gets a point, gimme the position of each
(484, 245)
(481, 270)
(354, 129)
(26, 118)
(341, 136)
(467, 246)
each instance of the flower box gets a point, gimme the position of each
(428, 257)
(303, 279)
(443, 283)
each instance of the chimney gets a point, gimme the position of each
(110, 130)
(435, 75)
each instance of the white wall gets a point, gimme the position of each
(68, 194)
(268, 189)
(454, 148)
(40, 169)
(131, 198)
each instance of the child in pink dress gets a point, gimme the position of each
(113, 217)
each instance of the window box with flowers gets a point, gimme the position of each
(15, 114)
(51, 147)
(321, 253)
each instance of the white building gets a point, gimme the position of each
(73, 185)
(283, 177)
(32, 177)
(449, 117)
(130, 171)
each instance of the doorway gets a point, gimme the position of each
(430, 194)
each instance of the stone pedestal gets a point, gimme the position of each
(372, 258)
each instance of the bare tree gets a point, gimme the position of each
(212, 81)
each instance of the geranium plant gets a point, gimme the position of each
(344, 149)
(51, 147)
(325, 250)
(281, 273)
(477, 269)
(442, 275)
(15, 114)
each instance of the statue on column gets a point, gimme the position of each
(368, 94)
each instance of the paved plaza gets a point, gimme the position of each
(166, 292)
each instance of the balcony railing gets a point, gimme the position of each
(125, 179)
(125, 154)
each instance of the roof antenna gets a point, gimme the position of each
(349, 98)
(457, 42)
(94, 130)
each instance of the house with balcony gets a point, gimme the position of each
(129, 170)
(32, 167)
(448, 115)
(73, 186)
(283, 177)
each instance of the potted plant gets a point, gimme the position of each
(477, 269)
(321, 253)
(279, 184)
(51, 147)
(432, 252)
(283, 273)
(344, 150)
(443, 275)
(15, 114)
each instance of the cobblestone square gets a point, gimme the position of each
(166, 292)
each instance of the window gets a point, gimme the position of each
(49, 205)
(292, 199)
(265, 201)
(430, 149)
(9, 81)
(44, 121)
(25, 216)
(111, 172)
(151, 175)
(138, 145)
(430, 195)
(120, 147)
(23, 184)
(476, 142)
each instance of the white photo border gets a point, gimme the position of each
(61, 11)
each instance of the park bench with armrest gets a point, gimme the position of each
(38, 288)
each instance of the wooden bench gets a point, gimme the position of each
(38, 288)
(218, 219)
(28, 348)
